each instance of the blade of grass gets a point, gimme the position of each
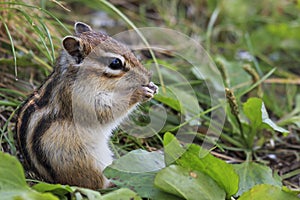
(32, 40)
(37, 59)
(40, 9)
(5, 128)
(50, 40)
(250, 46)
(12, 92)
(12, 47)
(197, 116)
(256, 84)
(211, 23)
(37, 30)
(41, 36)
(8, 103)
(10, 99)
(290, 174)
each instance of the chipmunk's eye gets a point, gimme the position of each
(116, 64)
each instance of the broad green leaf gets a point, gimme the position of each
(62, 190)
(252, 174)
(188, 102)
(196, 158)
(11, 173)
(139, 161)
(220, 171)
(293, 192)
(57, 189)
(136, 170)
(13, 184)
(181, 98)
(172, 148)
(168, 99)
(269, 122)
(256, 112)
(23, 194)
(252, 110)
(141, 183)
(264, 191)
(121, 194)
(90, 194)
(192, 185)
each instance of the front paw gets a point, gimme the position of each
(149, 91)
(144, 93)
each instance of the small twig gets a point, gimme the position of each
(283, 81)
(61, 5)
(291, 174)
(227, 157)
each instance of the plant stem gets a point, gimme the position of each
(291, 174)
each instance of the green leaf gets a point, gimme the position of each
(252, 174)
(11, 173)
(252, 109)
(62, 190)
(57, 189)
(25, 195)
(139, 161)
(269, 122)
(90, 194)
(188, 184)
(13, 184)
(293, 192)
(121, 194)
(265, 191)
(256, 112)
(136, 171)
(172, 148)
(168, 99)
(141, 183)
(195, 158)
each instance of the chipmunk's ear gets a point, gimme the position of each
(81, 27)
(73, 45)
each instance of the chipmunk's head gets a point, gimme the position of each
(105, 62)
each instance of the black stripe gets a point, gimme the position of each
(42, 126)
(22, 132)
(45, 98)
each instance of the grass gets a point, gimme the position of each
(235, 34)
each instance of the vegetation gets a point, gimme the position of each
(254, 46)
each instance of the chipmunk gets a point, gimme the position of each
(64, 127)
